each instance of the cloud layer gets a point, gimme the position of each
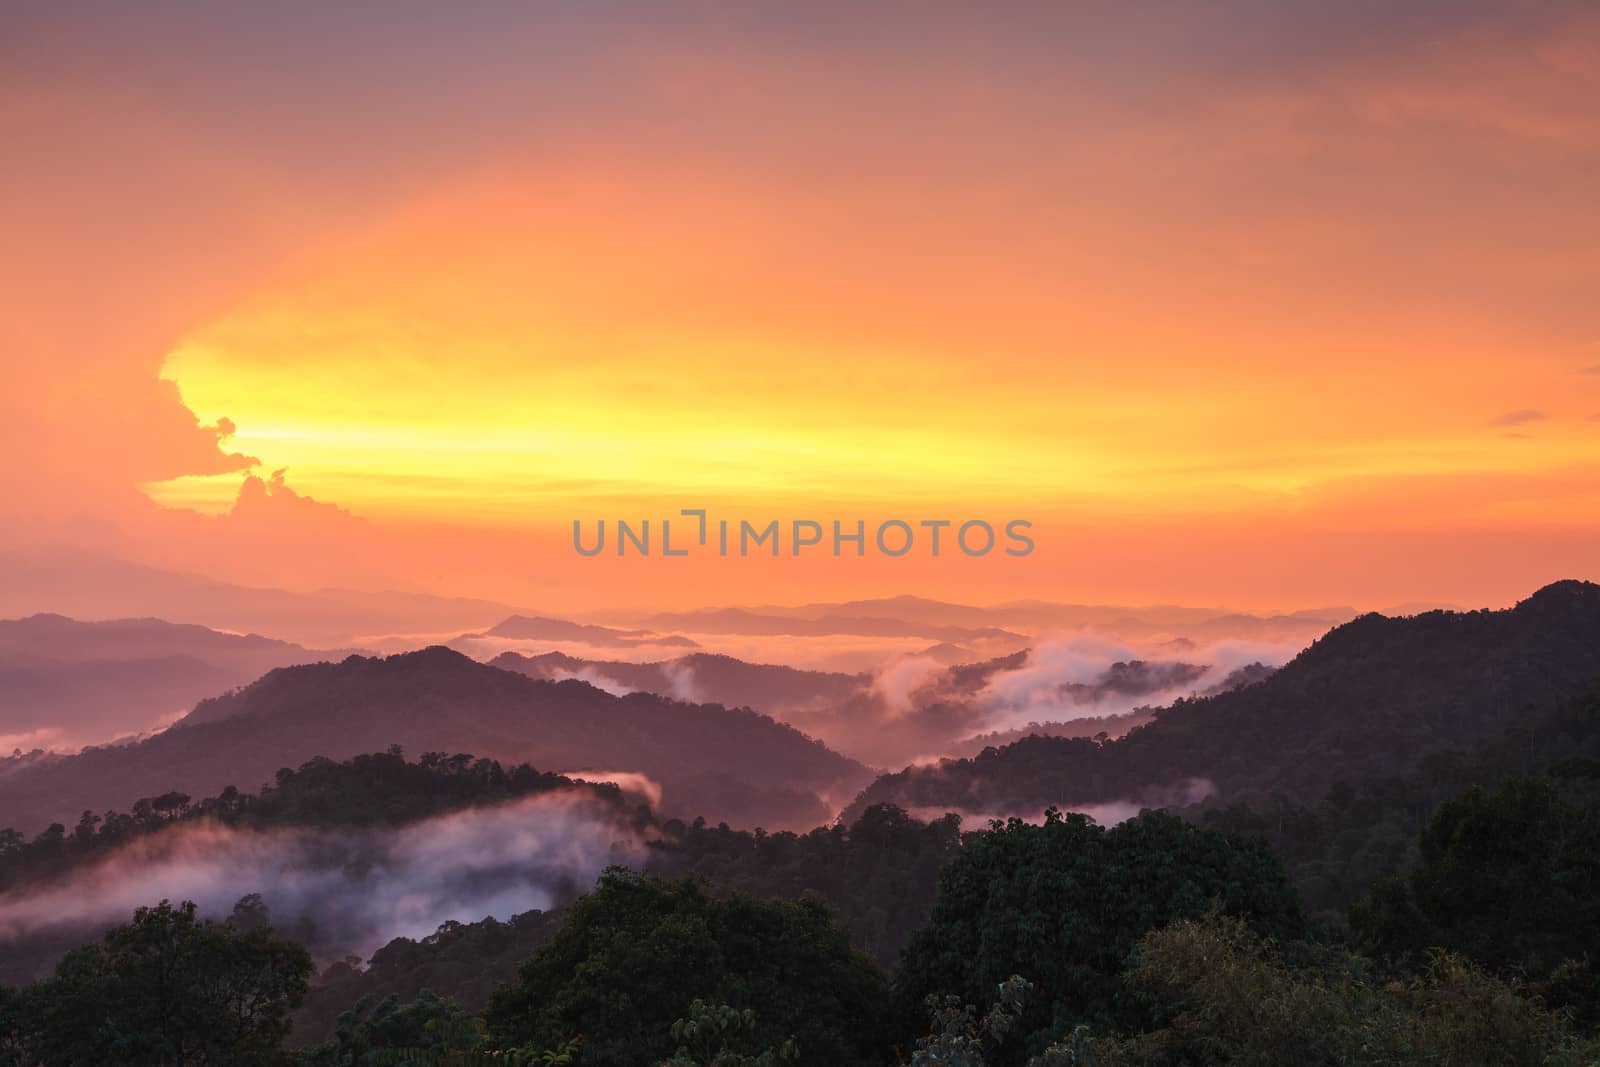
(346, 892)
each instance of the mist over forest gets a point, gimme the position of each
(436, 833)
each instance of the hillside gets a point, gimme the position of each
(701, 677)
(1359, 703)
(71, 683)
(732, 764)
(539, 628)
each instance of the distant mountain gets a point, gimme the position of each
(727, 764)
(912, 616)
(741, 621)
(532, 628)
(921, 610)
(73, 683)
(852, 712)
(916, 710)
(99, 587)
(1195, 624)
(700, 677)
(949, 655)
(1359, 703)
(1094, 725)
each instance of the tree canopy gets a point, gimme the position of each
(1064, 903)
(165, 990)
(635, 954)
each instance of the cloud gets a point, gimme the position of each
(627, 781)
(48, 738)
(595, 678)
(346, 892)
(901, 678)
(1595, 369)
(179, 444)
(1074, 677)
(273, 535)
(1520, 417)
(271, 499)
(225, 178)
(681, 676)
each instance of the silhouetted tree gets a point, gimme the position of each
(636, 953)
(1064, 903)
(167, 990)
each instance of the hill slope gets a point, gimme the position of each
(539, 628)
(701, 676)
(1359, 703)
(74, 683)
(731, 764)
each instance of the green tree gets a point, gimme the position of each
(716, 1035)
(1508, 879)
(13, 1045)
(1064, 903)
(167, 990)
(958, 1038)
(634, 955)
(1241, 1001)
(384, 1032)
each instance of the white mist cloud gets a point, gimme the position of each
(1033, 692)
(347, 892)
(898, 679)
(681, 677)
(1080, 659)
(1225, 657)
(594, 678)
(49, 738)
(627, 781)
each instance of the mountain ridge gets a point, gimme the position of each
(1347, 708)
(709, 759)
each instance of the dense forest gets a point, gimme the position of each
(1360, 704)
(1102, 927)
(1422, 896)
(1157, 941)
(705, 757)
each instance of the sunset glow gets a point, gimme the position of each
(1227, 307)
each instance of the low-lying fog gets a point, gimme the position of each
(343, 892)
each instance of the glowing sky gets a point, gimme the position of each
(1267, 305)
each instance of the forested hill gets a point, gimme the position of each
(1358, 704)
(702, 676)
(732, 764)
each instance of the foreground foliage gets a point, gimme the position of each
(1065, 903)
(635, 954)
(1155, 943)
(1240, 1001)
(1507, 879)
(166, 990)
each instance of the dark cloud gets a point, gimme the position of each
(1520, 417)
(173, 442)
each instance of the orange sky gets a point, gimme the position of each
(1261, 309)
